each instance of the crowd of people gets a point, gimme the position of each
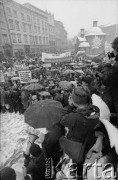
(79, 132)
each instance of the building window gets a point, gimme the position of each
(17, 26)
(35, 29)
(38, 21)
(11, 24)
(22, 16)
(25, 39)
(19, 38)
(2, 25)
(15, 13)
(31, 39)
(28, 18)
(34, 20)
(43, 30)
(24, 27)
(44, 40)
(30, 28)
(36, 39)
(39, 30)
(5, 38)
(9, 11)
(40, 40)
(13, 36)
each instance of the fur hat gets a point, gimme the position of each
(81, 95)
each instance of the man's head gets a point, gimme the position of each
(115, 46)
(80, 97)
(35, 150)
(7, 173)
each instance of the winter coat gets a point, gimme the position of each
(110, 80)
(80, 123)
(36, 166)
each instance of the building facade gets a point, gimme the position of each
(26, 29)
(60, 37)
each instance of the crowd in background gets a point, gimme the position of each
(101, 80)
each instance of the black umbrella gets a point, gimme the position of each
(44, 114)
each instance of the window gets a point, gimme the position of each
(35, 29)
(43, 40)
(19, 38)
(15, 13)
(40, 40)
(22, 16)
(24, 27)
(9, 11)
(36, 40)
(13, 36)
(43, 30)
(17, 26)
(5, 38)
(25, 39)
(38, 21)
(31, 39)
(34, 20)
(28, 18)
(39, 30)
(30, 28)
(2, 25)
(11, 24)
(46, 40)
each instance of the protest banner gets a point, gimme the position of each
(56, 58)
(25, 76)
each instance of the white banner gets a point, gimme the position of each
(25, 76)
(46, 57)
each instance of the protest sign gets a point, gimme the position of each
(25, 76)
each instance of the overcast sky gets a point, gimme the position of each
(77, 14)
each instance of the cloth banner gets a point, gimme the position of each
(25, 76)
(55, 58)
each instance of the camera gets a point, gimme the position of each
(110, 55)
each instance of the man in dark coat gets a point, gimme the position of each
(110, 80)
(82, 122)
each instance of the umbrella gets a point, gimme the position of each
(44, 93)
(69, 71)
(44, 114)
(72, 64)
(33, 87)
(79, 71)
(15, 78)
(64, 84)
(33, 81)
(54, 70)
(76, 67)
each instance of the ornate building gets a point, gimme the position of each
(27, 29)
(96, 39)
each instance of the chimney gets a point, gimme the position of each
(82, 32)
(95, 23)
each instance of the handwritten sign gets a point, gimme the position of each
(25, 76)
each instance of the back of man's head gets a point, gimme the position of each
(7, 173)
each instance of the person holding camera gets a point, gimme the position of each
(110, 80)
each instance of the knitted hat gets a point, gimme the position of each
(7, 173)
(81, 95)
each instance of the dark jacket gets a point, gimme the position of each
(110, 77)
(36, 166)
(80, 123)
